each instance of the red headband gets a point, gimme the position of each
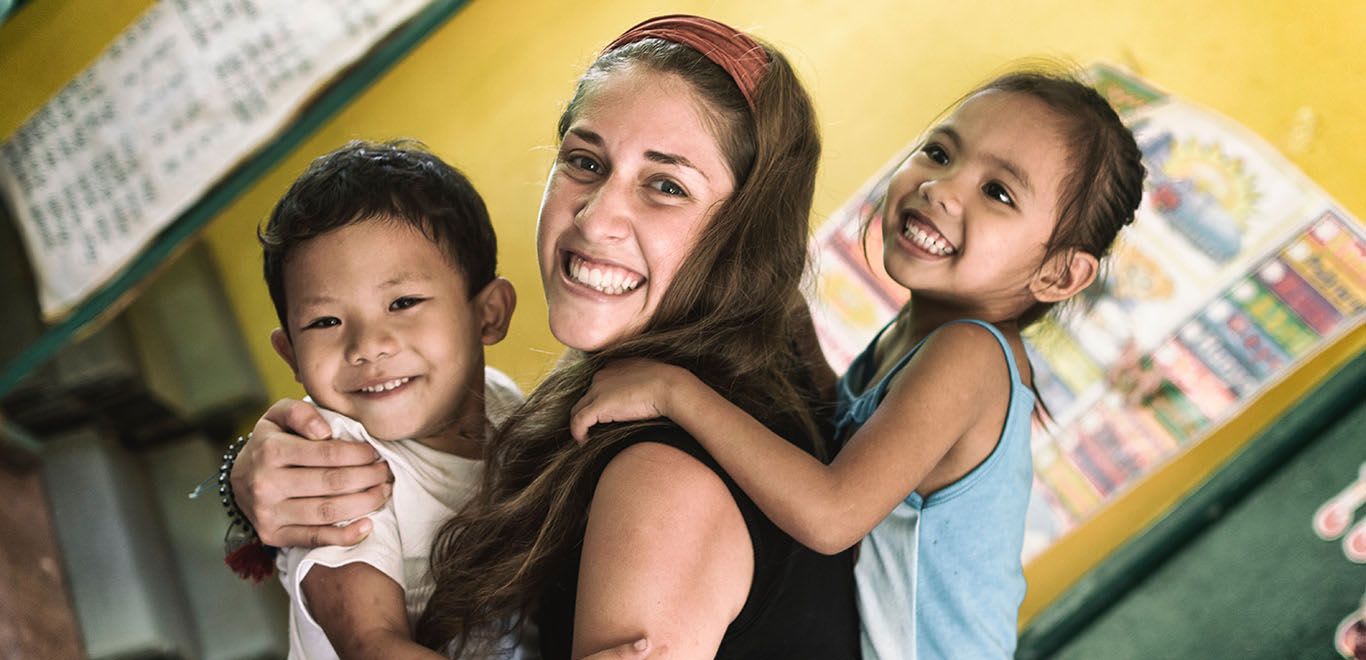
(741, 56)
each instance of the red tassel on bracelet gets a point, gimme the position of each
(253, 561)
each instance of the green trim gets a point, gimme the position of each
(8, 7)
(354, 81)
(1108, 582)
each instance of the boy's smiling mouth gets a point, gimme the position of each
(922, 233)
(602, 277)
(385, 386)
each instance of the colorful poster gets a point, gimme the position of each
(1236, 267)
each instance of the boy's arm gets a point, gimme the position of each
(930, 405)
(363, 613)
(361, 609)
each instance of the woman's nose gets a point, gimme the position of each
(942, 193)
(606, 214)
(369, 342)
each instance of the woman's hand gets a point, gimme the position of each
(626, 391)
(293, 489)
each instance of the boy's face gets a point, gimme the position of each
(381, 330)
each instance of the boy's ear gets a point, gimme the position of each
(285, 349)
(494, 306)
(1064, 276)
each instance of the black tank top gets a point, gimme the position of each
(800, 603)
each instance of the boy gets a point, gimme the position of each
(380, 261)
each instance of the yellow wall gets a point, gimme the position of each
(485, 91)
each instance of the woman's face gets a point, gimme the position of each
(637, 177)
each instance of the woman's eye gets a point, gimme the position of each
(323, 322)
(998, 192)
(669, 188)
(404, 303)
(936, 153)
(584, 163)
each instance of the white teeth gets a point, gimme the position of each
(931, 244)
(609, 280)
(385, 387)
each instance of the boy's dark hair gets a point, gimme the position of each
(399, 181)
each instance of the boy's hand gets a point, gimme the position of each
(625, 391)
(630, 651)
(293, 489)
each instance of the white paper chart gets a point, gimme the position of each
(180, 98)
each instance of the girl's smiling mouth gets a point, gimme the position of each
(599, 276)
(920, 232)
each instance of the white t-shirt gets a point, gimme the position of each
(429, 487)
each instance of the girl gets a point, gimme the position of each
(1003, 211)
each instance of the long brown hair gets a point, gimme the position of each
(728, 316)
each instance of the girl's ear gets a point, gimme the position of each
(1064, 276)
(495, 305)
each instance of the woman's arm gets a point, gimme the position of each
(294, 488)
(666, 554)
(943, 393)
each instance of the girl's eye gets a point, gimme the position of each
(936, 153)
(669, 188)
(998, 192)
(323, 322)
(404, 303)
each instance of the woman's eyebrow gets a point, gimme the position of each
(654, 156)
(588, 136)
(674, 159)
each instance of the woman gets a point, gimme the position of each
(673, 227)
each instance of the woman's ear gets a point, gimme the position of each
(495, 305)
(1064, 276)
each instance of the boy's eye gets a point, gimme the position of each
(404, 303)
(998, 192)
(936, 153)
(323, 322)
(669, 188)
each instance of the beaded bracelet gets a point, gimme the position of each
(244, 552)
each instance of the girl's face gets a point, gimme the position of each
(969, 214)
(637, 177)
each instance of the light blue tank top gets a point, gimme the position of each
(941, 577)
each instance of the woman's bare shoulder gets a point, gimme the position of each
(666, 554)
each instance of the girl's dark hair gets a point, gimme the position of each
(399, 181)
(1104, 184)
(728, 316)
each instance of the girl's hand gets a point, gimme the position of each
(626, 391)
(629, 651)
(294, 488)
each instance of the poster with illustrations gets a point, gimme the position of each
(1236, 268)
(188, 91)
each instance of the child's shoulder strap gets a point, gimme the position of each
(1000, 339)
